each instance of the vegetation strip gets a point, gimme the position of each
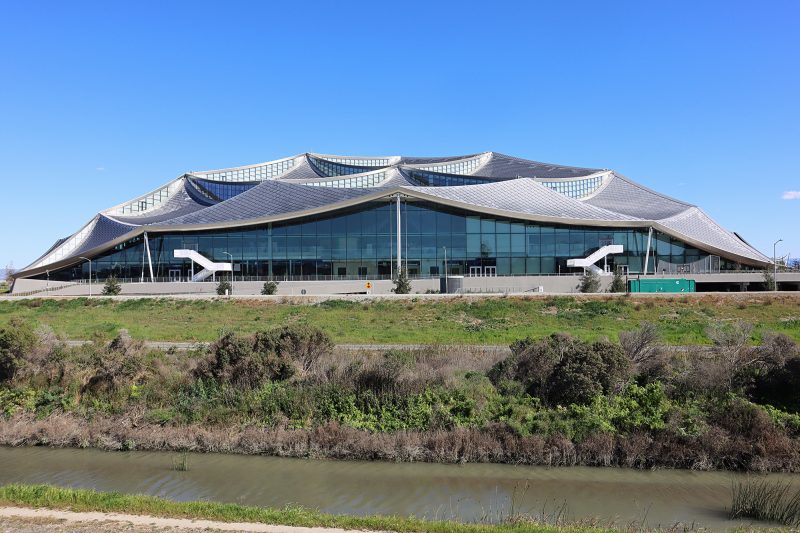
(681, 320)
(283, 391)
(47, 496)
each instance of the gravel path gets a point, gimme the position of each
(23, 519)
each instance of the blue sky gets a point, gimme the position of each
(100, 102)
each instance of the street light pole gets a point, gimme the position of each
(775, 264)
(232, 278)
(90, 274)
(446, 289)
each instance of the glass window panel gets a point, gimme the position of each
(339, 247)
(458, 246)
(503, 244)
(428, 246)
(427, 221)
(443, 225)
(353, 223)
(488, 245)
(487, 225)
(473, 225)
(473, 245)
(548, 265)
(503, 266)
(458, 224)
(279, 247)
(518, 244)
(293, 248)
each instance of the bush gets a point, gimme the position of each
(618, 283)
(779, 387)
(17, 341)
(769, 280)
(401, 283)
(561, 370)
(112, 286)
(270, 288)
(224, 287)
(275, 355)
(590, 282)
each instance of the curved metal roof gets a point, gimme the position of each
(314, 183)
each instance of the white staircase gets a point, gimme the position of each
(589, 262)
(209, 267)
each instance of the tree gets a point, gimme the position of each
(224, 287)
(590, 282)
(401, 283)
(269, 288)
(769, 280)
(112, 286)
(9, 273)
(618, 283)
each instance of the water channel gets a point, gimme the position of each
(470, 492)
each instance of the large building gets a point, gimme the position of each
(322, 217)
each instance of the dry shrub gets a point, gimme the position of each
(407, 371)
(274, 355)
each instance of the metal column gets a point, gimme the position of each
(647, 252)
(399, 240)
(149, 259)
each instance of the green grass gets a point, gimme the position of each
(682, 320)
(89, 500)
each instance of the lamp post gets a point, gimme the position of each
(90, 274)
(775, 264)
(446, 289)
(229, 255)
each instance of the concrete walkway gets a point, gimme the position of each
(113, 520)
(184, 346)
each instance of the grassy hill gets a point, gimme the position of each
(490, 320)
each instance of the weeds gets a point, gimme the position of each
(771, 501)
(181, 463)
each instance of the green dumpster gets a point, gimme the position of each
(661, 285)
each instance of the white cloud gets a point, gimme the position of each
(791, 195)
(100, 169)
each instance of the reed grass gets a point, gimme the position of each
(181, 463)
(770, 501)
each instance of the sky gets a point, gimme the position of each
(101, 102)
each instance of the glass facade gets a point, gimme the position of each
(221, 190)
(431, 179)
(358, 161)
(367, 180)
(254, 173)
(145, 203)
(328, 168)
(575, 188)
(362, 243)
(457, 167)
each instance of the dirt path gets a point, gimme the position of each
(57, 521)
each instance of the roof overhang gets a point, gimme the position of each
(388, 193)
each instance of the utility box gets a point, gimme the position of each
(661, 285)
(451, 284)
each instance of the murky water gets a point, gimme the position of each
(468, 492)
